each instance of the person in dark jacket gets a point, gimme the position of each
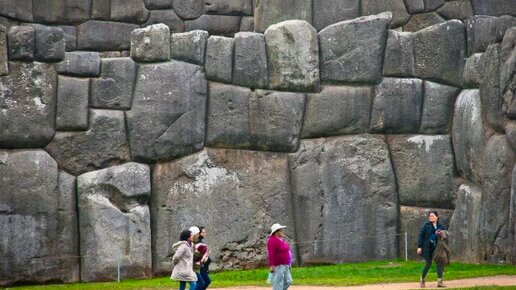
(205, 259)
(426, 244)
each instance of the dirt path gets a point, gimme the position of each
(504, 280)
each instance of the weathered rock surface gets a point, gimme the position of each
(399, 55)
(132, 11)
(228, 7)
(328, 12)
(100, 10)
(292, 56)
(495, 236)
(17, 9)
(484, 30)
(21, 43)
(61, 11)
(501, 7)
(397, 106)
(508, 59)
(411, 219)
(424, 169)
(473, 70)
(230, 179)
(512, 217)
(439, 52)
(468, 134)
(490, 93)
(167, 119)
(49, 43)
(421, 21)
(340, 186)
(269, 12)
(28, 105)
(115, 222)
(247, 23)
(347, 56)
(250, 60)
(158, 4)
(167, 17)
(114, 88)
(396, 7)
(438, 103)
(104, 144)
(219, 59)
(338, 110)
(79, 63)
(39, 241)
(189, 46)
(225, 25)
(104, 35)
(4, 60)
(70, 35)
(188, 9)
(151, 44)
(460, 9)
(464, 225)
(72, 103)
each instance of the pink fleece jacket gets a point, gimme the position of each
(278, 251)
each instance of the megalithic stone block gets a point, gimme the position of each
(250, 60)
(151, 44)
(189, 46)
(21, 43)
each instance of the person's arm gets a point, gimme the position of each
(177, 256)
(420, 239)
(271, 246)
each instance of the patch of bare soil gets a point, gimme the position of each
(503, 280)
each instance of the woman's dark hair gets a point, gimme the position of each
(185, 235)
(434, 212)
(201, 228)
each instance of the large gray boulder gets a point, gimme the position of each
(72, 103)
(151, 44)
(188, 9)
(104, 144)
(468, 134)
(464, 225)
(439, 52)
(104, 35)
(61, 11)
(337, 110)
(473, 70)
(269, 12)
(328, 12)
(292, 56)
(219, 59)
(189, 46)
(17, 9)
(100, 10)
(490, 92)
(340, 186)
(226, 25)
(21, 43)
(167, 119)
(251, 189)
(424, 169)
(250, 60)
(399, 55)
(158, 4)
(411, 219)
(347, 55)
(114, 222)
(438, 103)
(397, 106)
(28, 102)
(421, 21)
(79, 63)
(49, 43)
(167, 17)
(4, 60)
(483, 31)
(132, 11)
(495, 230)
(228, 7)
(460, 9)
(38, 220)
(114, 88)
(494, 8)
(397, 7)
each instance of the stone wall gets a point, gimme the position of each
(123, 122)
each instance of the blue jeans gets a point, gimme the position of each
(200, 282)
(281, 278)
(205, 277)
(182, 285)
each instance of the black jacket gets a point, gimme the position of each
(425, 240)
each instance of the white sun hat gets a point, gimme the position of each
(276, 227)
(194, 230)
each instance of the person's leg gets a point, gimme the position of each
(193, 285)
(287, 278)
(200, 282)
(278, 278)
(428, 264)
(205, 277)
(182, 285)
(440, 269)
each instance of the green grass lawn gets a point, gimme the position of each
(331, 275)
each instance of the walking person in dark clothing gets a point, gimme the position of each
(426, 244)
(206, 260)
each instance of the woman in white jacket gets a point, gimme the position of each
(183, 261)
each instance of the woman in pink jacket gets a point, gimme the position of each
(280, 258)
